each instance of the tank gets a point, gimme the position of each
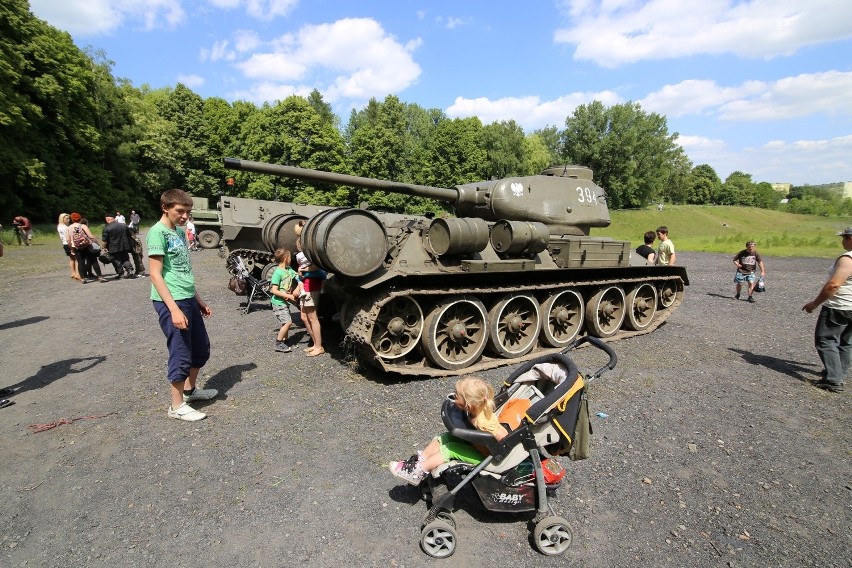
(513, 275)
(208, 223)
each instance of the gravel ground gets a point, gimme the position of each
(716, 451)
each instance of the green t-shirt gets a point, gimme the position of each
(284, 280)
(177, 269)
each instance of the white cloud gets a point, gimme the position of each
(778, 161)
(530, 111)
(612, 33)
(260, 9)
(265, 91)
(191, 81)
(352, 58)
(246, 40)
(93, 17)
(264, 9)
(829, 92)
(451, 22)
(272, 66)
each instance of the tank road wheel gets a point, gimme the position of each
(456, 333)
(605, 312)
(552, 536)
(249, 263)
(398, 328)
(562, 318)
(438, 539)
(208, 239)
(669, 291)
(513, 326)
(266, 272)
(641, 307)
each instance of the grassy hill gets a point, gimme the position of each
(710, 228)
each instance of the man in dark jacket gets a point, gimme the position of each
(119, 243)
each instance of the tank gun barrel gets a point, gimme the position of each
(439, 193)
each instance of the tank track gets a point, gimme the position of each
(365, 314)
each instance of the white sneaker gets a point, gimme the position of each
(186, 412)
(200, 394)
(409, 471)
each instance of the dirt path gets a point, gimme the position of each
(716, 450)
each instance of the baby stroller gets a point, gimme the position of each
(545, 399)
(244, 284)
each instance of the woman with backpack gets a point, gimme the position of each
(80, 238)
(62, 229)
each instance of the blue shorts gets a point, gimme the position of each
(739, 277)
(188, 348)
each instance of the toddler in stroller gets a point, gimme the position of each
(542, 409)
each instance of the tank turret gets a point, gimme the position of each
(564, 198)
(513, 275)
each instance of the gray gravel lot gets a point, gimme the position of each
(716, 450)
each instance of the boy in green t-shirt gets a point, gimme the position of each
(179, 307)
(281, 285)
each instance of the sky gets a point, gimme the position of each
(758, 86)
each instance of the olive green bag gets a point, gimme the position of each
(580, 449)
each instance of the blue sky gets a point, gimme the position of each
(761, 86)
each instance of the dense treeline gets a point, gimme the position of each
(73, 137)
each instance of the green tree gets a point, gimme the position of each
(381, 147)
(323, 108)
(704, 186)
(632, 153)
(765, 197)
(537, 156)
(738, 189)
(503, 143)
(550, 137)
(192, 143)
(291, 132)
(455, 156)
(59, 121)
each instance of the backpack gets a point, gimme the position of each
(760, 286)
(79, 238)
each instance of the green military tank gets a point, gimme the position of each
(512, 276)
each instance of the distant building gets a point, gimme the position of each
(842, 188)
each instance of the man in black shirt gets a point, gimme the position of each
(647, 250)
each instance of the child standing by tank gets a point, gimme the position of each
(281, 286)
(476, 398)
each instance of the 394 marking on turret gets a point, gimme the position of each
(586, 195)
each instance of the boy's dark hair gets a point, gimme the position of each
(649, 237)
(663, 229)
(172, 197)
(282, 253)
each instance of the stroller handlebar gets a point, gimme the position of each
(599, 344)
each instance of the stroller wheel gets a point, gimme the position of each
(552, 536)
(438, 539)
